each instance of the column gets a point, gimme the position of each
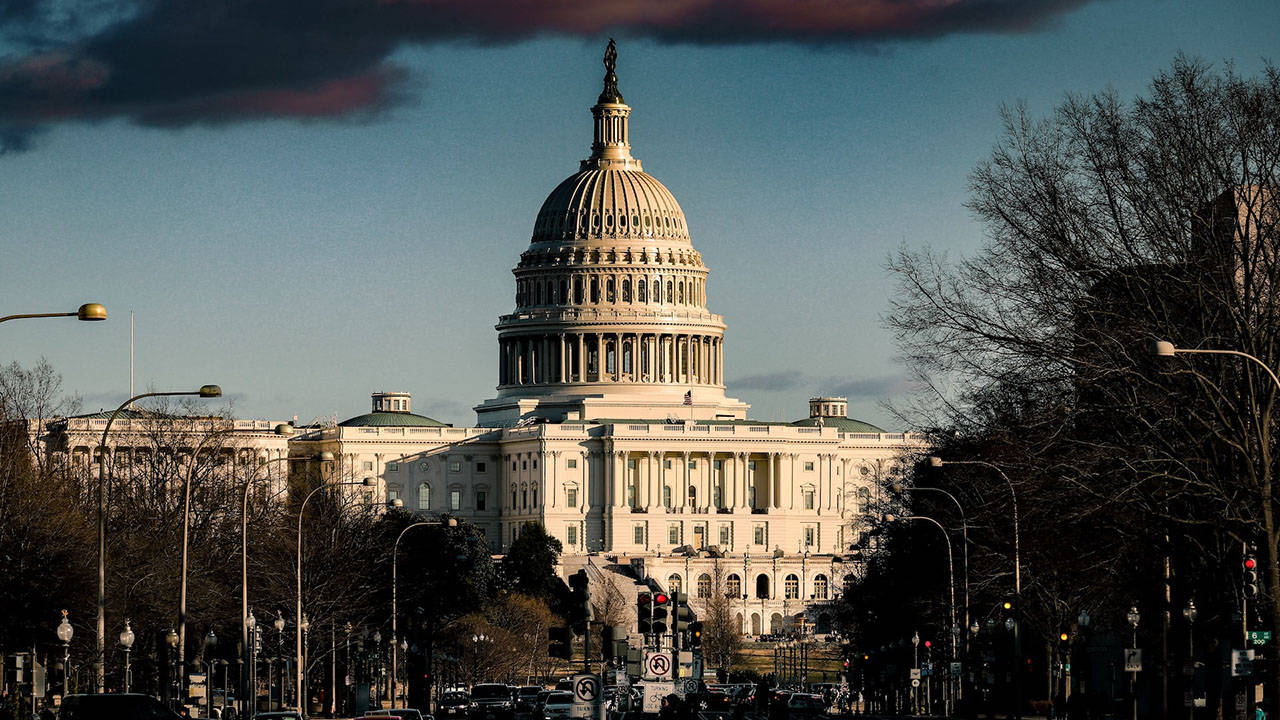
(561, 367)
(682, 497)
(791, 485)
(582, 357)
(600, 357)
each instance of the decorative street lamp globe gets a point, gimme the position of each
(404, 644)
(65, 630)
(171, 637)
(1083, 619)
(126, 636)
(278, 622)
(306, 623)
(1189, 612)
(1008, 623)
(1133, 617)
(973, 627)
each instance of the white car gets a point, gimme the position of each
(558, 706)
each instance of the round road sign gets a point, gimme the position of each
(586, 688)
(659, 665)
(915, 682)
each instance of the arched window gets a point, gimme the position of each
(595, 290)
(693, 496)
(641, 288)
(680, 293)
(762, 586)
(820, 587)
(704, 585)
(626, 290)
(733, 586)
(608, 291)
(631, 494)
(534, 492)
(513, 497)
(577, 290)
(791, 587)
(424, 496)
(673, 584)
(524, 496)
(670, 295)
(657, 291)
(564, 295)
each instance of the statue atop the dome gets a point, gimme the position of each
(610, 94)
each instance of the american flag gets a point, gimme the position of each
(688, 397)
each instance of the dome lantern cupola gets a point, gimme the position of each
(611, 147)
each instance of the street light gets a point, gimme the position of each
(126, 641)
(395, 554)
(898, 488)
(205, 391)
(299, 678)
(171, 638)
(951, 575)
(89, 311)
(1133, 617)
(938, 462)
(65, 631)
(475, 655)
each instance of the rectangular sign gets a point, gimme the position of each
(1241, 663)
(653, 694)
(1259, 637)
(1132, 660)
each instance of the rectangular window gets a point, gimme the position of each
(693, 464)
(673, 534)
(524, 464)
(571, 497)
(368, 464)
(718, 465)
(808, 499)
(751, 464)
(479, 467)
(455, 499)
(455, 466)
(724, 535)
(808, 537)
(631, 464)
(393, 495)
(481, 497)
(571, 463)
(393, 467)
(571, 535)
(638, 534)
(808, 467)
(513, 464)
(757, 535)
(666, 464)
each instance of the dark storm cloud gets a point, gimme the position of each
(173, 63)
(788, 380)
(873, 387)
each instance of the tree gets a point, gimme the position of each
(1112, 224)
(529, 566)
(721, 630)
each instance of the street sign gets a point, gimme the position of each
(915, 682)
(657, 665)
(915, 674)
(688, 686)
(586, 688)
(1132, 660)
(653, 694)
(956, 670)
(1259, 637)
(1241, 663)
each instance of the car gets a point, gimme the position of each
(806, 704)
(278, 715)
(114, 706)
(398, 714)
(541, 701)
(527, 698)
(491, 701)
(558, 706)
(453, 704)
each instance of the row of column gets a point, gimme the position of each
(610, 288)
(734, 486)
(610, 357)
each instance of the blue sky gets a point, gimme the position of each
(304, 261)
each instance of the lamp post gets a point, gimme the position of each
(205, 391)
(278, 623)
(251, 681)
(938, 462)
(65, 631)
(284, 430)
(126, 641)
(304, 627)
(395, 554)
(1132, 617)
(964, 538)
(186, 531)
(951, 575)
(299, 679)
(171, 638)
(1189, 612)
(89, 311)
(377, 680)
(475, 656)
(210, 642)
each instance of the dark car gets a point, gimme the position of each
(398, 713)
(115, 706)
(491, 701)
(527, 698)
(278, 715)
(453, 705)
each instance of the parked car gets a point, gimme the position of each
(801, 705)
(278, 715)
(491, 701)
(558, 706)
(398, 714)
(114, 706)
(541, 701)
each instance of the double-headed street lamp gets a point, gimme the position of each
(205, 391)
(299, 678)
(938, 462)
(89, 311)
(395, 553)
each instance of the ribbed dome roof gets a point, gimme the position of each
(610, 203)
(391, 419)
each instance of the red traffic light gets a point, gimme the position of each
(928, 643)
(660, 599)
(643, 599)
(1250, 563)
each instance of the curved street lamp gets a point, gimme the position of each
(299, 676)
(899, 489)
(205, 391)
(938, 462)
(395, 553)
(951, 575)
(90, 312)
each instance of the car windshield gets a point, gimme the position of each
(490, 692)
(530, 691)
(560, 698)
(454, 698)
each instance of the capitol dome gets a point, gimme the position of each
(611, 316)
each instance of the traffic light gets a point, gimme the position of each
(561, 643)
(695, 634)
(644, 613)
(1250, 575)
(661, 612)
(682, 615)
(580, 608)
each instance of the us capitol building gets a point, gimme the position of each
(611, 426)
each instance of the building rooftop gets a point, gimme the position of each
(383, 418)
